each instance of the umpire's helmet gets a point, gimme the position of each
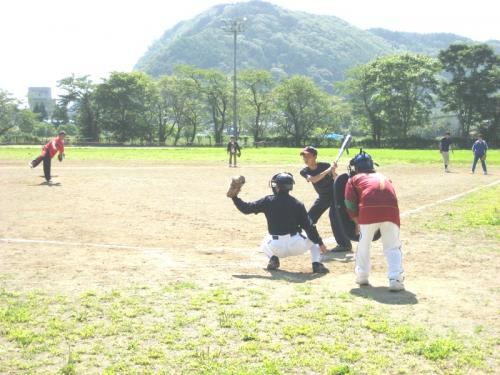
(361, 163)
(283, 180)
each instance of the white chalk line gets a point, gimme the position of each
(436, 203)
(67, 243)
(160, 249)
(179, 165)
(449, 199)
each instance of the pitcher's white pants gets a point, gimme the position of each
(392, 250)
(287, 246)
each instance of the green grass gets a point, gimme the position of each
(249, 155)
(226, 334)
(478, 211)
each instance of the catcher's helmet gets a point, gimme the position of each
(283, 180)
(362, 162)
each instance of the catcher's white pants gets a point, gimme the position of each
(287, 246)
(391, 245)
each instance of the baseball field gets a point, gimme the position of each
(135, 262)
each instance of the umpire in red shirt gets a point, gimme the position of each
(371, 202)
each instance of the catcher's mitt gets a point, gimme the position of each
(60, 157)
(236, 183)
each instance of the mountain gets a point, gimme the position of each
(283, 41)
(287, 42)
(429, 44)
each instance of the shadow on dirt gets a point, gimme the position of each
(383, 295)
(45, 183)
(292, 277)
(341, 257)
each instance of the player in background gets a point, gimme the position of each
(479, 149)
(321, 176)
(234, 151)
(48, 152)
(371, 202)
(444, 149)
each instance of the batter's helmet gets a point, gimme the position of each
(284, 181)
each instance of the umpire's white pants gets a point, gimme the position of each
(391, 245)
(287, 246)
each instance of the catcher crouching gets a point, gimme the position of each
(286, 218)
(371, 202)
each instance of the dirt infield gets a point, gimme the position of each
(182, 226)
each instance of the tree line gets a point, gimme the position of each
(396, 97)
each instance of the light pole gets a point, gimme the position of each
(234, 26)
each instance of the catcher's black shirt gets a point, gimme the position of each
(323, 187)
(284, 214)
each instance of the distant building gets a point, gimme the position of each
(41, 96)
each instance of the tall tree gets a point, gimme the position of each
(8, 112)
(78, 98)
(259, 85)
(395, 92)
(474, 79)
(39, 109)
(123, 99)
(180, 96)
(216, 89)
(301, 106)
(360, 88)
(59, 115)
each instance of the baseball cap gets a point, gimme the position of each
(309, 150)
(62, 132)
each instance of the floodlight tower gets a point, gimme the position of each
(234, 26)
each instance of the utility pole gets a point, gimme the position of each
(234, 26)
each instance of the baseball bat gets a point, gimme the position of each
(345, 144)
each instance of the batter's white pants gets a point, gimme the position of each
(287, 246)
(391, 245)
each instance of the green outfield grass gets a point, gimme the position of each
(189, 328)
(273, 155)
(476, 212)
(281, 326)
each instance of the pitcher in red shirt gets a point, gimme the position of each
(48, 152)
(371, 202)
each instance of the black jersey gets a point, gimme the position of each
(323, 187)
(284, 214)
(445, 144)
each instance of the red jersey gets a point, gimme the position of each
(54, 146)
(370, 197)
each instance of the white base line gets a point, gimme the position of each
(126, 247)
(100, 245)
(449, 199)
(425, 206)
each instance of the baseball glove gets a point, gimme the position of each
(239, 153)
(60, 157)
(483, 158)
(236, 183)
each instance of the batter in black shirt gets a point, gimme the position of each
(321, 175)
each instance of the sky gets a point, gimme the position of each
(42, 42)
